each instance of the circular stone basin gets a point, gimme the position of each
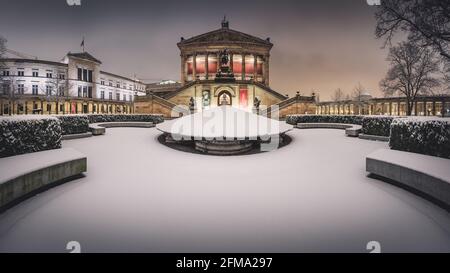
(224, 130)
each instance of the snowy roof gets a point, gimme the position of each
(223, 122)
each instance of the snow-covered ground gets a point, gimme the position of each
(138, 195)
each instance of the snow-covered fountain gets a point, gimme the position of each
(225, 130)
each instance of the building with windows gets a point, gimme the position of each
(437, 105)
(74, 85)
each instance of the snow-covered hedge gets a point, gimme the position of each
(73, 124)
(348, 119)
(377, 125)
(27, 134)
(424, 136)
(94, 118)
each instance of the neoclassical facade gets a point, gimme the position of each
(249, 55)
(438, 105)
(220, 67)
(76, 84)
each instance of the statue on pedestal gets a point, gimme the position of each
(192, 105)
(256, 103)
(224, 74)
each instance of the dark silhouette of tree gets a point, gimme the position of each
(338, 95)
(426, 21)
(412, 72)
(2, 50)
(357, 95)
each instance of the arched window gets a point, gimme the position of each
(224, 98)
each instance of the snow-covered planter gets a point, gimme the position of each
(348, 119)
(377, 125)
(95, 118)
(27, 134)
(424, 136)
(74, 124)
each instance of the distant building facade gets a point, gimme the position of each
(437, 105)
(74, 85)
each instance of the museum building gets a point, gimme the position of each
(74, 85)
(222, 67)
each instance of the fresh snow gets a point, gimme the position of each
(19, 165)
(431, 165)
(312, 195)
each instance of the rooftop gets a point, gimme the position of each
(225, 35)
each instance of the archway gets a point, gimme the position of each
(224, 98)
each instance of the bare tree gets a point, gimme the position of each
(57, 89)
(10, 88)
(2, 51)
(357, 95)
(445, 79)
(338, 95)
(426, 21)
(412, 72)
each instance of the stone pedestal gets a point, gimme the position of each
(224, 147)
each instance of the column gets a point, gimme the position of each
(255, 58)
(231, 62)
(194, 66)
(443, 108)
(390, 108)
(433, 111)
(243, 66)
(266, 70)
(206, 66)
(183, 69)
(415, 108)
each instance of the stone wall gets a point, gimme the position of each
(298, 108)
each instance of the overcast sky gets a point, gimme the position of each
(318, 44)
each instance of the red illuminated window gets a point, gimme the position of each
(237, 64)
(243, 97)
(200, 65)
(259, 66)
(212, 65)
(249, 65)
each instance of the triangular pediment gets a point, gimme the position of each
(84, 56)
(225, 35)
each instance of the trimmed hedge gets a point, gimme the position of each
(424, 136)
(94, 118)
(27, 134)
(74, 124)
(294, 119)
(377, 125)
